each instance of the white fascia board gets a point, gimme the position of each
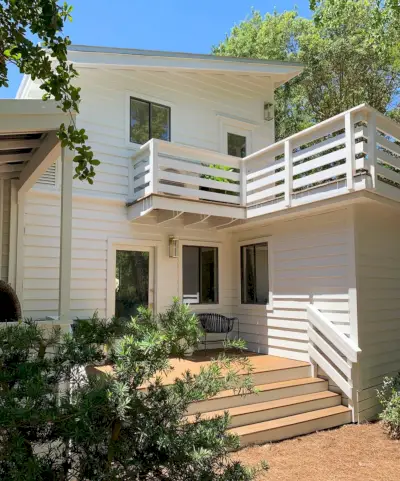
(171, 61)
(23, 87)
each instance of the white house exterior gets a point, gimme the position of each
(319, 220)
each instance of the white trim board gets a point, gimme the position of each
(258, 240)
(198, 243)
(151, 246)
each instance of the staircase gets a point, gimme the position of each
(289, 403)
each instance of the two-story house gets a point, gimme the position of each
(193, 198)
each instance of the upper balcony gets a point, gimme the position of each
(358, 149)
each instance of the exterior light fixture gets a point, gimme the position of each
(268, 111)
(173, 246)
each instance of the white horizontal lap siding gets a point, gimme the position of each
(309, 257)
(195, 101)
(5, 229)
(94, 223)
(378, 280)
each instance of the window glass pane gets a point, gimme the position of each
(209, 272)
(191, 274)
(131, 282)
(140, 121)
(254, 274)
(248, 275)
(160, 128)
(261, 261)
(236, 145)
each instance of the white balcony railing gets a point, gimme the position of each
(167, 168)
(358, 149)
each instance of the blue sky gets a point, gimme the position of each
(177, 25)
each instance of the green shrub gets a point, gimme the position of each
(102, 427)
(389, 397)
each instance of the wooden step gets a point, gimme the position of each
(291, 426)
(266, 411)
(266, 392)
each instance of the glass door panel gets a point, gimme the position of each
(132, 282)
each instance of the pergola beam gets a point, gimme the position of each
(5, 159)
(9, 168)
(11, 144)
(48, 152)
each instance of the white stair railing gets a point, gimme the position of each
(332, 351)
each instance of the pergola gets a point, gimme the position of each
(28, 147)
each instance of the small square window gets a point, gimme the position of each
(149, 121)
(236, 145)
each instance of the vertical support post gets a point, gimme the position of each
(288, 173)
(12, 254)
(371, 148)
(64, 299)
(350, 150)
(19, 276)
(153, 159)
(1, 224)
(243, 183)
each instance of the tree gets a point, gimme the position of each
(350, 52)
(101, 426)
(23, 24)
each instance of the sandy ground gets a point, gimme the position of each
(350, 453)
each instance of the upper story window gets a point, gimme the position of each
(254, 273)
(200, 275)
(236, 145)
(149, 121)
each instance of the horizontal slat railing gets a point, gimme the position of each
(141, 176)
(197, 173)
(357, 149)
(280, 175)
(332, 351)
(385, 154)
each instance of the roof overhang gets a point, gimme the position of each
(28, 140)
(121, 58)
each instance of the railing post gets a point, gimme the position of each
(350, 150)
(153, 162)
(288, 173)
(243, 184)
(371, 147)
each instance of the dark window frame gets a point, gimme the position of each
(216, 296)
(242, 275)
(149, 104)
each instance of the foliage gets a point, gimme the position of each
(389, 397)
(350, 52)
(100, 426)
(23, 24)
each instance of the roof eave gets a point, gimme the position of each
(130, 58)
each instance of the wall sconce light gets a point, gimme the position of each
(268, 111)
(173, 246)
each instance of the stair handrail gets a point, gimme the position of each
(332, 351)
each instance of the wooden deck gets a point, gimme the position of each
(261, 363)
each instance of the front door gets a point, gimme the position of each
(133, 281)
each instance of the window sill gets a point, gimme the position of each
(205, 306)
(258, 307)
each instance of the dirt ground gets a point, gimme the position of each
(350, 453)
